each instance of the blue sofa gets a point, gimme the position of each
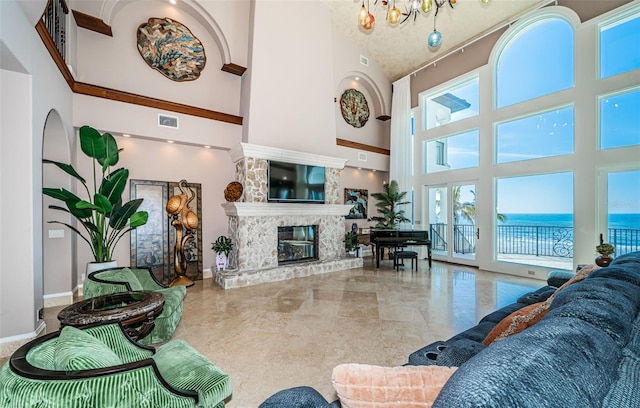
(585, 352)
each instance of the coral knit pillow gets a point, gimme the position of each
(532, 314)
(369, 386)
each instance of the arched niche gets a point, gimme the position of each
(111, 8)
(377, 103)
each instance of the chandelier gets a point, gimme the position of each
(413, 7)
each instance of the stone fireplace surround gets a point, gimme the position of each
(254, 222)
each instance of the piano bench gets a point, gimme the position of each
(402, 255)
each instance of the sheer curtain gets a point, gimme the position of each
(401, 159)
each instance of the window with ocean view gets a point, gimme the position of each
(538, 220)
(623, 211)
(538, 140)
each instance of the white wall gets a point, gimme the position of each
(347, 67)
(291, 95)
(27, 99)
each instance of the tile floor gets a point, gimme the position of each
(280, 335)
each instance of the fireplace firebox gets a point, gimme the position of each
(297, 244)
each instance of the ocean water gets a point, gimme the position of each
(624, 233)
(616, 221)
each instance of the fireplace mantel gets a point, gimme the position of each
(238, 209)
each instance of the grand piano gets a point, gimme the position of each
(387, 238)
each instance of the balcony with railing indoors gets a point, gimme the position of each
(539, 245)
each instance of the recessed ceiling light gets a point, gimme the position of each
(169, 141)
(374, 170)
(359, 168)
(172, 1)
(207, 147)
(126, 135)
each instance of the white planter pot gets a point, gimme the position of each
(222, 262)
(98, 266)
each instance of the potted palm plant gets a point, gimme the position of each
(222, 246)
(102, 214)
(388, 206)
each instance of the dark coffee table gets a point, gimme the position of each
(136, 311)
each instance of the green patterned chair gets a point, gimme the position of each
(100, 366)
(125, 279)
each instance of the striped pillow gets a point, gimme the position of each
(77, 350)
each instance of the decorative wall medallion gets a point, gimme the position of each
(170, 48)
(354, 108)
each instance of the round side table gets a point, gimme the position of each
(136, 311)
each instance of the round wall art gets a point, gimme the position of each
(354, 108)
(169, 47)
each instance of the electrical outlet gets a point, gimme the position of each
(531, 272)
(40, 314)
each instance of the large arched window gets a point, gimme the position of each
(537, 61)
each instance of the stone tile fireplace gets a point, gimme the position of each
(254, 222)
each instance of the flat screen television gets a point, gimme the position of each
(296, 183)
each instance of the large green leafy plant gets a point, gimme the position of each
(388, 205)
(103, 215)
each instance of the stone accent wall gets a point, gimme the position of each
(332, 186)
(252, 174)
(253, 222)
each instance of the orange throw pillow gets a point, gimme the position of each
(370, 386)
(532, 314)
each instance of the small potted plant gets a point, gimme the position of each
(222, 246)
(605, 250)
(351, 242)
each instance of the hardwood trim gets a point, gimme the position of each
(91, 23)
(234, 69)
(362, 146)
(127, 97)
(41, 28)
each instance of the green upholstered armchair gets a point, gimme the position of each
(124, 279)
(100, 366)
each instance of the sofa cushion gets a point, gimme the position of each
(539, 295)
(532, 314)
(77, 350)
(498, 315)
(517, 322)
(369, 386)
(121, 275)
(185, 368)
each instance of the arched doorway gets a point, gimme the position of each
(58, 243)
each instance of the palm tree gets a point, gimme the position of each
(467, 209)
(388, 203)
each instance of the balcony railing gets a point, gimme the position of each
(548, 241)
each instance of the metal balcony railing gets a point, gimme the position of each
(552, 241)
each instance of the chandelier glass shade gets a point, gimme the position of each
(412, 9)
